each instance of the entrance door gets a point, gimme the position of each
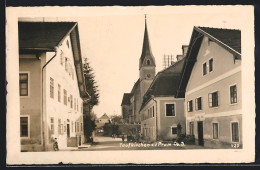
(200, 133)
(68, 130)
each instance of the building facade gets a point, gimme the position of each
(211, 84)
(161, 111)
(52, 86)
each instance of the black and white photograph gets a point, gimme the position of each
(112, 85)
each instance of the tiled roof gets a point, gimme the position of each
(165, 83)
(230, 37)
(126, 99)
(42, 35)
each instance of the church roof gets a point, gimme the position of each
(228, 39)
(146, 50)
(135, 86)
(126, 99)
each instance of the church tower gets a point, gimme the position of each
(146, 64)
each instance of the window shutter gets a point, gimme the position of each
(210, 99)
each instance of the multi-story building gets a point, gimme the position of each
(161, 111)
(211, 85)
(52, 86)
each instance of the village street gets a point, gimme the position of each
(102, 143)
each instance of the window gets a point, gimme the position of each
(59, 96)
(148, 62)
(51, 87)
(66, 64)
(213, 99)
(68, 44)
(204, 69)
(215, 130)
(65, 97)
(65, 127)
(235, 132)
(59, 127)
(24, 126)
(170, 110)
(81, 127)
(198, 105)
(233, 94)
(61, 57)
(77, 126)
(191, 128)
(72, 125)
(71, 101)
(74, 103)
(174, 130)
(23, 83)
(189, 105)
(52, 125)
(153, 111)
(211, 65)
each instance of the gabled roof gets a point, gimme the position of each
(37, 37)
(104, 116)
(165, 82)
(42, 36)
(135, 86)
(146, 50)
(126, 99)
(229, 39)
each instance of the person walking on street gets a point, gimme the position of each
(123, 138)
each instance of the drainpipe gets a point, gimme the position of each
(44, 115)
(156, 118)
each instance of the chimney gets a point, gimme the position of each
(184, 50)
(179, 57)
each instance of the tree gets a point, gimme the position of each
(92, 89)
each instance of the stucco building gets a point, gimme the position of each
(52, 86)
(161, 111)
(211, 85)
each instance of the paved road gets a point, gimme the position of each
(108, 143)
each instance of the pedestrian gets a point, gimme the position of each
(123, 138)
(55, 145)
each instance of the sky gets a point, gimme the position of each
(111, 39)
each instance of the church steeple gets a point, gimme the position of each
(146, 56)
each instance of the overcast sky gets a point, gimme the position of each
(111, 38)
(113, 46)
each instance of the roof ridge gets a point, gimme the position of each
(219, 28)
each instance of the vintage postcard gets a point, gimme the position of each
(117, 85)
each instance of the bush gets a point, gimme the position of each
(180, 138)
(189, 139)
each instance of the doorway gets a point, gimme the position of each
(68, 130)
(200, 133)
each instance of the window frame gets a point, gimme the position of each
(28, 84)
(210, 103)
(52, 124)
(230, 101)
(211, 66)
(59, 93)
(52, 87)
(190, 107)
(174, 127)
(213, 137)
(175, 108)
(231, 135)
(65, 97)
(196, 103)
(204, 70)
(28, 127)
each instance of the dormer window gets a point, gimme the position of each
(68, 44)
(148, 62)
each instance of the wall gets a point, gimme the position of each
(68, 81)
(166, 123)
(226, 72)
(31, 105)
